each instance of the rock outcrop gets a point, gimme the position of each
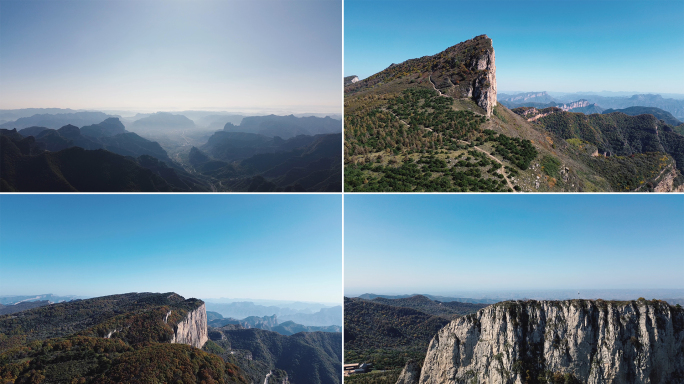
(575, 104)
(410, 374)
(465, 70)
(574, 341)
(470, 72)
(193, 329)
(351, 80)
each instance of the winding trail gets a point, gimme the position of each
(501, 170)
(267, 376)
(435, 88)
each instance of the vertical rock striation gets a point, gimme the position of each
(467, 70)
(410, 374)
(193, 329)
(582, 341)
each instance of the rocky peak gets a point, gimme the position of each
(69, 131)
(465, 70)
(577, 341)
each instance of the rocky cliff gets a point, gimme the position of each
(468, 70)
(574, 341)
(410, 374)
(465, 70)
(193, 329)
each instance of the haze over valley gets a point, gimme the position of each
(178, 105)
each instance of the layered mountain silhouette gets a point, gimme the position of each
(106, 157)
(286, 126)
(57, 120)
(68, 160)
(435, 124)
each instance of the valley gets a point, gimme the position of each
(165, 152)
(403, 135)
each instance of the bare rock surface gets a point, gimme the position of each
(193, 329)
(583, 341)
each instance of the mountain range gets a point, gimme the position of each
(434, 124)
(269, 323)
(240, 310)
(675, 107)
(154, 337)
(39, 159)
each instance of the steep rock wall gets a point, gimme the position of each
(193, 329)
(591, 342)
(410, 374)
(481, 76)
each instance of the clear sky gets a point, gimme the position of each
(281, 247)
(444, 244)
(171, 55)
(561, 46)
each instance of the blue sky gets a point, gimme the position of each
(446, 244)
(561, 46)
(280, 247)
(171, 55)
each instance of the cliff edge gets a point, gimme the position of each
(576, 341)
(193, 329)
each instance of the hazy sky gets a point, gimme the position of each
(440, 244)
(562, 46)
(282, 247)
(166, 55)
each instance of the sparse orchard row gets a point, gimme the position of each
(417, 141)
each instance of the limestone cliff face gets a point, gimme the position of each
(410, 374)
(582, 341)
(477, 75)
(484, 87)
(575, 104)
(193, 329)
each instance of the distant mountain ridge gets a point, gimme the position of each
(675, 107)
(268, 323)
(71, 160)
(371, 296)
(422, 303)
(286, 127)
(241, 310)
(58, 120)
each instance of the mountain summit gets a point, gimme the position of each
(465, 70)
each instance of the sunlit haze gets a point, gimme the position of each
(271, 56)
